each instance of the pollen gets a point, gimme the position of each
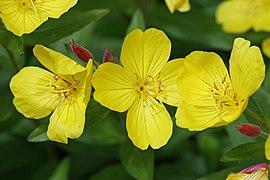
(223, 94)
(62, 87)
(149, 87)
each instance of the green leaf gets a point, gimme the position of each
(193, 26)
(55, 29)
(210, 148)
(10, 41)
(223, 173)
(117, 170)
(138, 163)
(253, 150)
(262, 100)
(62, 170)
(9, 115)
(95, 113)
(39, 134)
(137, 21)
(105, 132)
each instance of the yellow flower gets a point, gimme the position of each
(267, 148)
(140, 86)
(65, 90)
(24, 16)
(266, 47)
(179, 5)
(238, 16)
(211, 97)
(257, 172)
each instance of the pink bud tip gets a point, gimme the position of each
(249, 129)
(256, 167)
(80, 51)
(107, 57)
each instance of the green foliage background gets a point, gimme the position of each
(104, 151)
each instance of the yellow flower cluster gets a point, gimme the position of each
(199, 85)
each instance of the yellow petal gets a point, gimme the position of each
(168, 76)
(114, 87)
(202, 70)
(55, 61)
(88, 85)
(238, 176)
(197, 118)
(266, 47)
(267, 148)
(247, 68)
(23, 17)
(180, 5)
(54, 9)
(261, 174)
(67, 121)
(145, 53)
(261, 18)
(30, 87)
(148, 123)
(235, 16)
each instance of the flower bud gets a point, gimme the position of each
(259, 171)
(80, 51)
(251, 130)
(107, 57)
(256, 167)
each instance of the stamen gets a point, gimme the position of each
(33, 5)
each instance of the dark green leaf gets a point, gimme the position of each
(117, 170)
(10, 41)
(253, 150)
(193, 26)
(39, 134)
(95, 113)
(55, 29)
(223, 173)
(138, 163)
(105, 132)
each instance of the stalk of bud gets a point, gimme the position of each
(80, 51)
(251, 130)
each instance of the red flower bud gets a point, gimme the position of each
(107, 57)
(80, 51)
(256, 167)
(251, 130)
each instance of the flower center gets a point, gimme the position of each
(63, 87)
(27, 5)
(223, 94)
(149, 87)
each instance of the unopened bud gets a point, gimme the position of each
(251, 130)
(107, 57)
(80, 51)
(256, 167)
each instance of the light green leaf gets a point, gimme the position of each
(62, 170)
(253, 150)
(39, 134)
(137, 21)
(138, 163)
(55, 29)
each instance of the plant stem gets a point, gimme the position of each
(264, 134)
(12, 59)
(95, 64)
(258, 118)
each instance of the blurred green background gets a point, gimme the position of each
(104, 151)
